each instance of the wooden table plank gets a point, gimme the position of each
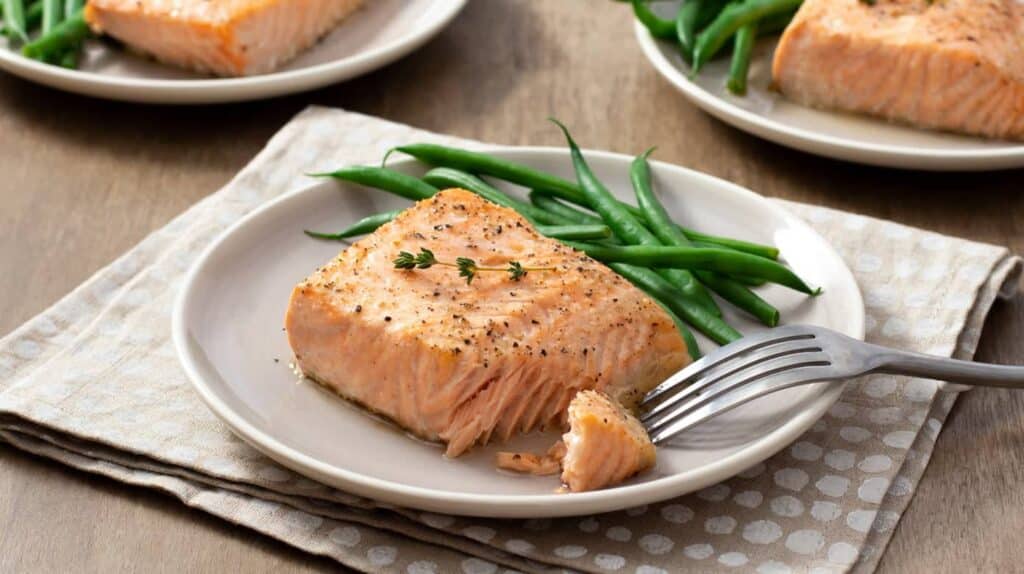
(84, 180)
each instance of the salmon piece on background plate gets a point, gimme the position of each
(469, 363)
(954, 65)
(222, 37)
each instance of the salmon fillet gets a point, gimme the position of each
(468, 363)
(223, 37)
(954, 65)
(605, 444)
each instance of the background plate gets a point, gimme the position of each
(767, 114)
(228, 333)
(374, 36)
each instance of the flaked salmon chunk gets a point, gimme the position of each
(469, 363)
(605, 444)
(955, 65)
(223, 37)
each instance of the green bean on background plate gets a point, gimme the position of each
(67, 35)
(510, 171)
(730, 20)
(657, 26)
(72, 6)
(686, 26)
(33, 16)
(742, 50)
(53, 13)
(14, 20)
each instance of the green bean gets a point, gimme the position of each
(388, 180)
(709, 10)
(33, 16)
(644, 279)
(740, 296)
(69, 59)
(663, 291)
(666, 231)
(14, 19)
(72, 6)
(550, 204)
(365, 225)
(748, 280)
(53, 11)
(742, 50)
(731, 19)
(658, 27)
(484, 164)
(717, 260)
(575, 232)
(625, 227)
(443, 177)
(686, 26)
(692, 348)
(67, 35)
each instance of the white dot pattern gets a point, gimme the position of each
(831, 498)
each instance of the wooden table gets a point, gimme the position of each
(84, 180)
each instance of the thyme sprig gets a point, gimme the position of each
(467, 267)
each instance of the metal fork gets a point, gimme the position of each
(768, 362)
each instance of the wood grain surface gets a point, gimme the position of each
(83, 180)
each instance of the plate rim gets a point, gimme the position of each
(1009, 156)
(505, 505)
(222, 90)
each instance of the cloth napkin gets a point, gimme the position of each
(93, 382)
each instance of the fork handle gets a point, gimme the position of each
(896, 362)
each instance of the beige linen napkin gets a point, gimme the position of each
(93, 382)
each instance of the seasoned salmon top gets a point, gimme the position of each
(952, 65)
(540, 315)
(992, 28)
(460, 361)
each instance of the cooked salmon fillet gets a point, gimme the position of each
(223, 37)
(468, 363)
(954, 65)
(605, 444)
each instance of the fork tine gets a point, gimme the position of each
(736, 381)
(781, 381)
(729, 368)
(726, 354)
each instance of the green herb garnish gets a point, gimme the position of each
(468, 268)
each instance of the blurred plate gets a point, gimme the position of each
(766, 113)
(375, 35)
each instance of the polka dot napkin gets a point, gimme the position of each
(93, 382)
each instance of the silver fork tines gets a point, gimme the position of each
(785, 357)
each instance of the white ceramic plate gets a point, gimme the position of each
(376, 35)
(767, 114)
(228, 333)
